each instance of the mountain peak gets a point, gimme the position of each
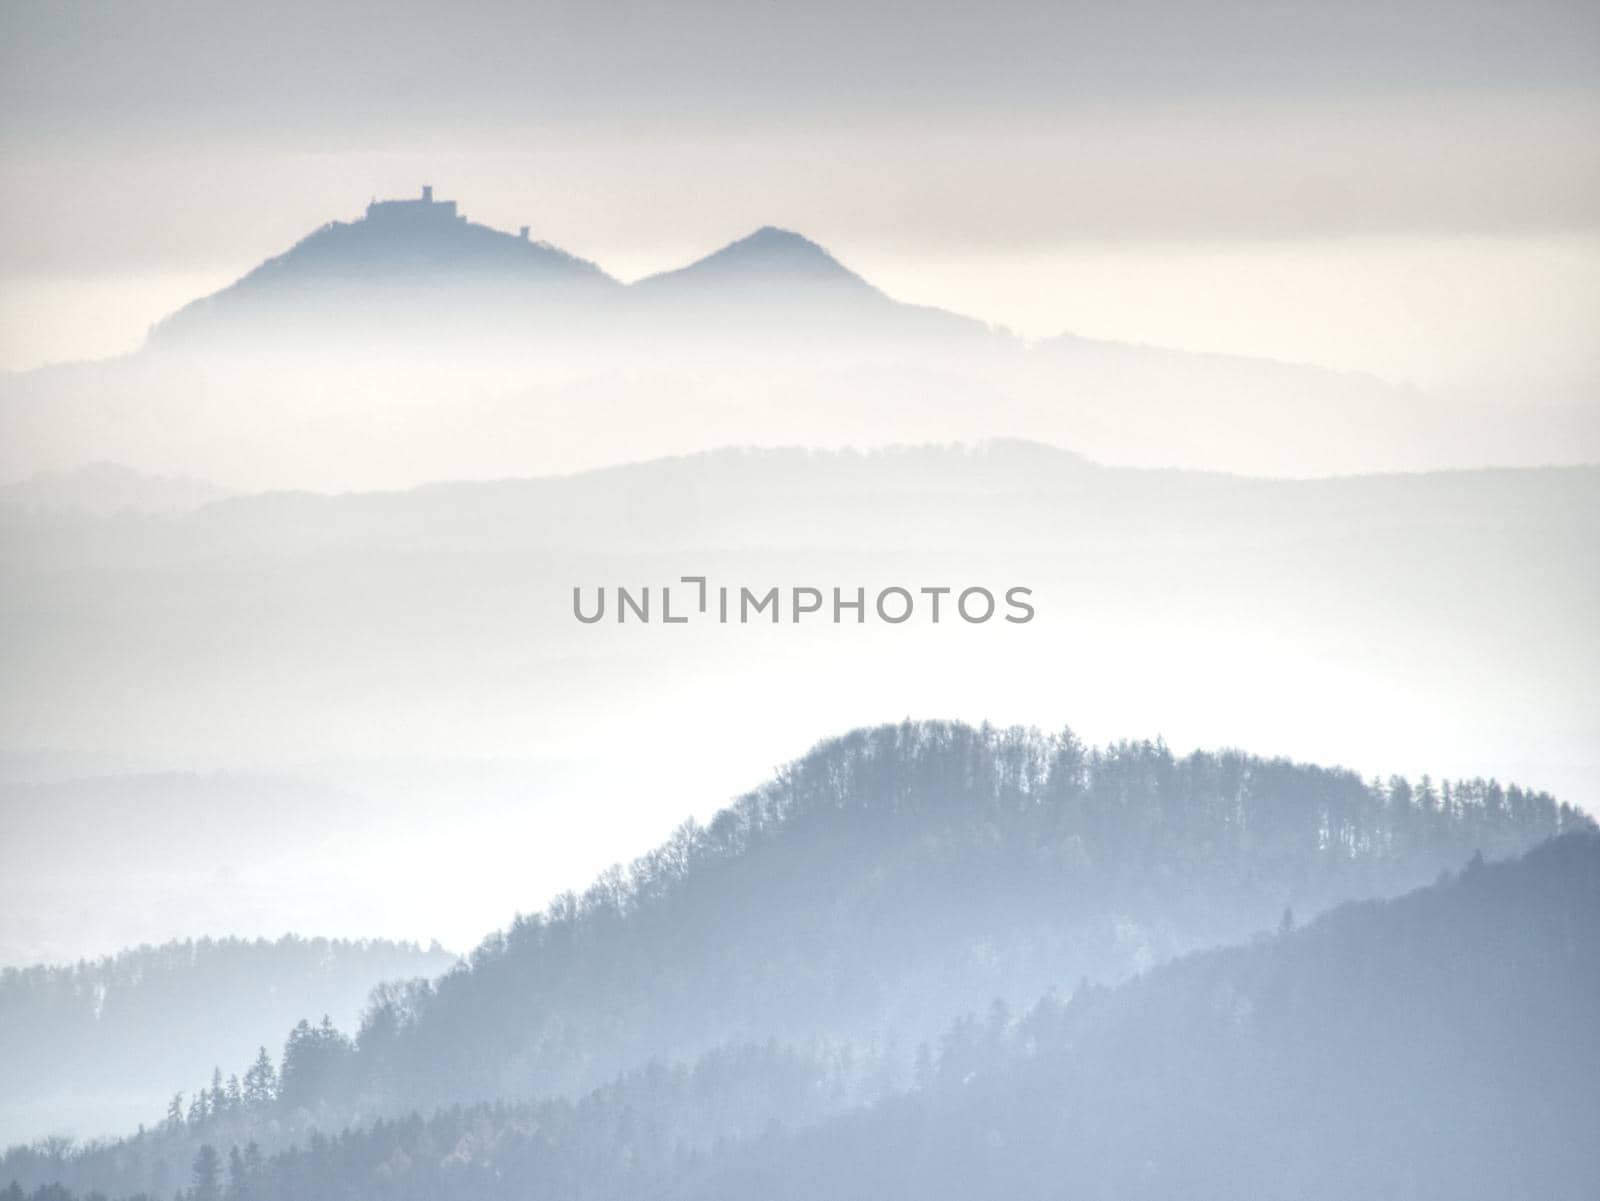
(773, 239)
(414, 272)
(420, 235)
(769, 255)
(403, 259)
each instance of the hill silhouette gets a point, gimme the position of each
(410, 344)
(769, 255)
(1442, 1045)
(873, 890)
(902, 874)
(416, 262)
(775, 290)
(86, 1039)
(1439, 1045)
(417, 268)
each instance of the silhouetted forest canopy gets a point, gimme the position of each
(94, 1028)
(804, 953)
(897, 875)
(1438, 1045)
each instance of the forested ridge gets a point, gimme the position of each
(92, 1029)
(898, 875)
(838, 917)
(1443, 1045)
(1439, 1045)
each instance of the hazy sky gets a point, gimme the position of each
(1413, 188)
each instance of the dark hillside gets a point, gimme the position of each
(1441, 1045)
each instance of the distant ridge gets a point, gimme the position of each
(442, 348)
(417, 266)
(105, 489)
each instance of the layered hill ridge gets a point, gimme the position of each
(900, 876)
(78, 1041)
(1363, 620)
(418, 267)
(410, 344)
(1440, 1045)
(104, 490)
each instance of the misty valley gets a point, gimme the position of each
(384, 639)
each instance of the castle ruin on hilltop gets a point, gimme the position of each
(419, 211)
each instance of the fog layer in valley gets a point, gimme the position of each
(294, 703)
